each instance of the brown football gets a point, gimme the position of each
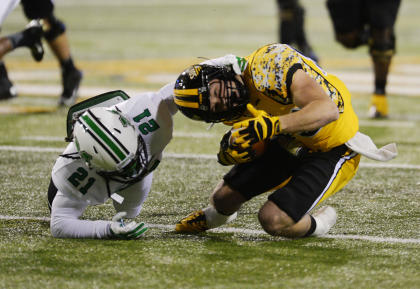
(259, 147)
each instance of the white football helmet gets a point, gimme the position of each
(109, 143)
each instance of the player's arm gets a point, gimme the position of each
(65, 222)
(317, 109)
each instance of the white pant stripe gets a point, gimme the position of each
(337, 168)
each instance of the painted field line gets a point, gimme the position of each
(31, 149)
(372, 123)
(199, 156)
(356, 82)
(55, 90)
(175, 134)
(362, 164)
(251, 231)
(386, 123)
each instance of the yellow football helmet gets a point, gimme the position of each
(192, 93)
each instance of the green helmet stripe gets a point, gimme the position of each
(102, 135)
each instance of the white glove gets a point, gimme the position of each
(129, 231)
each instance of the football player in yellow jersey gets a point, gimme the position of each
(301, 114)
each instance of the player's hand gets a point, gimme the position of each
(230, 155)
(250, 131)
(121, 230)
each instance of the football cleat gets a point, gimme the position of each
(7, 89)
(193, 223)
(71, 81)
(33, 33)
(379, 106)
(325, 218)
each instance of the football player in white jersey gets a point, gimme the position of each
(112, 154)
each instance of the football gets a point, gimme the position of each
(259, 147)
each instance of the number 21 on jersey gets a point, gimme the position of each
(77, 179)
(147, 125)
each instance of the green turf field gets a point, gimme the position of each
(139, 45)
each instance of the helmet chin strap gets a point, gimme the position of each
(118, 198)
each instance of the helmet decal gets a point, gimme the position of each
(108, 143)
(104, 138)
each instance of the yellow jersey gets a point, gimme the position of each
(268, 75)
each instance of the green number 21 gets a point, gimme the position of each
(78, 177)
(149, 126)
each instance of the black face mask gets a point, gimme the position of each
(202, 75)
(135, 170)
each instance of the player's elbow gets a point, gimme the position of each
(56, 227)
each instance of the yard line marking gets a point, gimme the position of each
(31, 149)
(361, 82)
(84, 91)
(386, 123)
(362, 122)
(42, 138)
(44, 219)
(389, 166)
(47, 138)
(252, 232)
(199, 156)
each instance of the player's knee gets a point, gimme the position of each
(56, 227)
(288, 4)
(270, 223)
(291, 11)
(349, 40)
(55, 28)
(382, 44)
(273, 220)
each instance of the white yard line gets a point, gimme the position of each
(358, 81)
(387, 123)
(31, 149)
(251, 231)
(55, 90)
(372, 123)
(198, 156)
(175, 134)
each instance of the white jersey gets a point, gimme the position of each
(151, 113)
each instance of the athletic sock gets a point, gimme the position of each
(67, 65)
(17, 39)
(3, 70)
(312, 228)
(215, 219)
(380, 87)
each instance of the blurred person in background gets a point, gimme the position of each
(369, 22)
(291, 27)
(30, 37)
(54, 32)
